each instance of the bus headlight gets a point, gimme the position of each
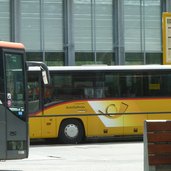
(16, 145)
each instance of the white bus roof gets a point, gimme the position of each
(104, 67)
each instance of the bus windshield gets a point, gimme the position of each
(15, 84)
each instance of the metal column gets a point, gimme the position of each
(118, 30)
(68, 33)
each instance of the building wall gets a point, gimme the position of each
(78, 32)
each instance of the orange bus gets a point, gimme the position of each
(14, 141)
(97, 101)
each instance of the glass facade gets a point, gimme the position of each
(5, 20)
(93, 34)
(30, 24)
(142, 29)
(79, 32)
(42, 30)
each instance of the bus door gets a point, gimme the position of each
(35, 106)
(41, 125)
(49, 128)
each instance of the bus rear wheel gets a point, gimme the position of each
(71, 131)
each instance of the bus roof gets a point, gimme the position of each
(11, 45)
(105, 67)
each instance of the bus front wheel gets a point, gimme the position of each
(71, 131)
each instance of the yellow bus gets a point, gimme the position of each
(97, 101)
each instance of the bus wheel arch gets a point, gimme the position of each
(71, 131)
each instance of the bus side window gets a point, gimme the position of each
(48, 94)
(125, 85)
(112, 85)
(166, 85)
(131, 85)
(152, 85)
(33, 93)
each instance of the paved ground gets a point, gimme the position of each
(106, 156)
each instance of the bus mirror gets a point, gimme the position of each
(44, 77)
(44, 69)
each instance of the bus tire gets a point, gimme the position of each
(71, 131)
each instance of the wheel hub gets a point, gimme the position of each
(71, 131)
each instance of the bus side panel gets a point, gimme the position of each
(17, 138)
(142, 110)
(35, 127)
(102, 117)
(54, 115)
(2, 140)
(134, 124)
(129, 118)
(2, 133)
(133, 118)
(49, 127)
(163, 108)
(106, 123)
